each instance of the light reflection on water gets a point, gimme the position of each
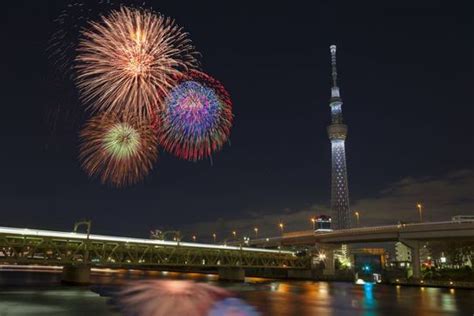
(33, 293)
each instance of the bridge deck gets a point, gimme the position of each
(27, 246)
(415, 231)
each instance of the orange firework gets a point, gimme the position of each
(121, 151)
(127, 62)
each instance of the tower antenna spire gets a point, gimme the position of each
(332, 48)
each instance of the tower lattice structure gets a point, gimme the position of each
(337, 132)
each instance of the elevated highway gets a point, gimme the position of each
(417, 231)
(409, 234)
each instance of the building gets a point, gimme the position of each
(425, 256)
(337, 132)
(342, 255)
(323, 223)
(402, 255)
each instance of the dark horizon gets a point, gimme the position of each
(405, 74)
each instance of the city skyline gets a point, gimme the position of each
(404, 145)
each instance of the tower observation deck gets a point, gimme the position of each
(337, 132)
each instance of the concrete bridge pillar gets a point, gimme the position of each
(76, 274)
(232, 274)
(329, 264)
(414, 246)
(326, 255)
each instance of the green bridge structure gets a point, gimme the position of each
(78, 252)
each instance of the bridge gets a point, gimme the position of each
(77, 252)
(399, 232)
(409, 234)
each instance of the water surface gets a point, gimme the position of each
(40, 293)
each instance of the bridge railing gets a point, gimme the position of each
(57, 248)
(396, 227)
(383, 229)
(92, 237)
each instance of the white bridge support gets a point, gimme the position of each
(414, 245)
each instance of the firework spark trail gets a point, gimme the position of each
(63, 43)
(129, 60)
(119, 151)
(197, 117)
(72, 20)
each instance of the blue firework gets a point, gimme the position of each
(197, 117)
(193, 109)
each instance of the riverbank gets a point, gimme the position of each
(433, 283)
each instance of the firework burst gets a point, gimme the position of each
(197, 117)
(129, 60)
(118, 151)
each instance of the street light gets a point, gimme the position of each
(214, 236)
(256, 232)
(234, 233)
(313, 220)
(357, 218)
(194, 238)
(443, 258)
(420, 211)
(282, 227)
(177, 236)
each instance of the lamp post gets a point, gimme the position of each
(313, 220)
(177, 236)
(282, 227)
(420, 211)
(214, 236)
(357, 215)
(234, 233)
(194, 238)
(256, 232)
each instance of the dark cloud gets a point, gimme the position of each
(442, 197)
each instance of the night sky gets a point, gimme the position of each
(406, 79)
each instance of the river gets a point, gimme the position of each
(32, 292)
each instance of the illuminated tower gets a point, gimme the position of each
(337, 132)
